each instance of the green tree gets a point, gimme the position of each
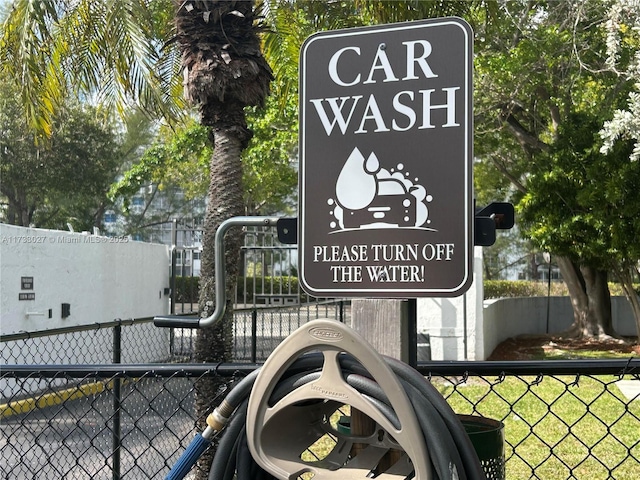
(537, 67)
(110, 50)
(582, 204)
(174, 167)
(63, 181)
(269, 162)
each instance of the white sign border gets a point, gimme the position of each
(465, 284)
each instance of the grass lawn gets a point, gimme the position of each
(557, 427)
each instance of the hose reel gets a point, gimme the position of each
(321, 367)
(280, 430)
(272, 416)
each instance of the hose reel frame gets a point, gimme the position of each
(277, 430)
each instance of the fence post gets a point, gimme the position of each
(117, 383)
(254, 335)
(172, 281)
(384, 324)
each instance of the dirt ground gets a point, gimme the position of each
(528, 347)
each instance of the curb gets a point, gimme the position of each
(27, 405)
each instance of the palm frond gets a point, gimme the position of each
(103, 50)
(25, 51)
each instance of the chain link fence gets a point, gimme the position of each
(256, 330)
(568, 420)
(116, 401)
(102, 424)
(87, 402)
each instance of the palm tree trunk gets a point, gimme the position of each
(215, 344)
(224, 202)
(224, 72)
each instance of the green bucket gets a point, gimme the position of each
(487, 437)
(344, 425)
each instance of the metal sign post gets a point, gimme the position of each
(386, 151)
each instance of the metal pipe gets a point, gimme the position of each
(12, 337)
(220, 275)
(616, 367)
(464, 326)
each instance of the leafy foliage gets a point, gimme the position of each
(176, 158)
(179, 159)
(521, 288)
(108, 51)
(545, 87)
(623, 58)
(582, 203)
(270, 176)
(63, 180)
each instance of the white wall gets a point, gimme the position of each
(101, 278)
(443, 319)
(510, 317)
(493, 321)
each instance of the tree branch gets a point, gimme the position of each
(554, 110)
(525, 138)
(504, 171)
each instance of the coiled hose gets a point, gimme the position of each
(451, 452)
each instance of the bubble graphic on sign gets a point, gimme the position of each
(369, 196)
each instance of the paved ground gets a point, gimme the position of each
(74, 440)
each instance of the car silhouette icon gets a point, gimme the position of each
(392, 205)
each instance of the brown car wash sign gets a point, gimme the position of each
(386, 161)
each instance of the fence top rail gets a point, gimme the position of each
(616, 367)
(315, 303)
(269, 247)
(24, 335)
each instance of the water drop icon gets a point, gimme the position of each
(372, 165)
(356, 186)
